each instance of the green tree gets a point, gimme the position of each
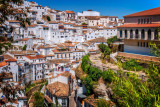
(48, 18)
(39, 99)
(103, 103)
(24, 47)
(155, 49)
(84, 23)
(104, 49)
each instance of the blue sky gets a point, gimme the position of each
(106, 7)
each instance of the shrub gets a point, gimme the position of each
(132, 65)
(108, 75)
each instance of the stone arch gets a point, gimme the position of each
(136, 32)
(149, 33)
(125, 33)
(131, 33)
(142, 34)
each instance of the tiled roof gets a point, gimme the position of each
(69, 11)
(22, 52)
(139, 25)
(3, 64)
(150, 12)
(11, 60)
(59, 61)
(13, 21)
(51, 22)
(6, 56)
(35, 57)
(25, 39)
(61, 89)
(100, 39)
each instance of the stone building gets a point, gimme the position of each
(140, 29)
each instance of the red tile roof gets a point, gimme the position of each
(11, 60)
(139, 25)
(150, 12)
(70, 12)
(61, 89)
(25, 39)
(3, 64)
(35, 57)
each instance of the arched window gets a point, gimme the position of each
(136, 33)
(125, 33)
(144, 21)
(149, 34)
(156, 34)
(142, 34)
(141, 21)
(131, 33)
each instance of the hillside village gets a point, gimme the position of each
(43, 56)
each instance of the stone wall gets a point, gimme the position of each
(140, 57)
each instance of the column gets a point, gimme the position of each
(139, 33)
(134, 33)
(123, 33)
(145, 34)
(128, 34)
(152, 34)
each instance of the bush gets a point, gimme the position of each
(132, 65)
(39, 99)
(108, 75)
(48, 18)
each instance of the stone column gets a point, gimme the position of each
(134, 33)
(146, 34)
(123, 33)
(139, 33)
(128, 34)
(152, 34)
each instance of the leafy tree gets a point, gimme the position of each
(108, 75)
(103, 103)
(104, 49)
(83, 23)
(132, 65)
(89, 84)
(48, 18)
(155, 49)
(24, 47)
(39, 99)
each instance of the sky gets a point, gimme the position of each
(118, 8)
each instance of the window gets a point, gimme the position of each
(64, 104)
(138, 43)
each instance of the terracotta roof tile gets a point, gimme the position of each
(150, 12)
(3, 64)
(139, 25)
(70, 12)
(48, 99)
(61, 89)
(11, 60)
(35, 57)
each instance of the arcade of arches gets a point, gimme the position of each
(139, 33)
